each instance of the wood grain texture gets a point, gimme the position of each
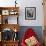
(9, 43)
(44, 7)
(11, 26)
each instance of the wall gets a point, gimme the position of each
(39, 12)
(27, 3)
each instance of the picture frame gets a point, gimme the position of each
(30, 13)
(5, 12)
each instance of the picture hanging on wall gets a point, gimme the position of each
(30, 13)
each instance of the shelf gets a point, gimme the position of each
(10, 15)
(5, 8)
(11, 41)
(7, 16)
(9, 10)
(10, 26)
(9, 19)
(5, 12)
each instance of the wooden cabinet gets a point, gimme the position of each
(6, 12)
(10, 43)
(7, 26)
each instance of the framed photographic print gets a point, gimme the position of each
(5, 12)
(30, 13)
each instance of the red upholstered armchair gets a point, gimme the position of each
(30, 38)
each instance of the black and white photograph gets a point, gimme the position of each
(30, 13)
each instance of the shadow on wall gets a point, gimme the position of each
(37, 29)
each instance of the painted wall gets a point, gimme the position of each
(39, 13)
(26, 3)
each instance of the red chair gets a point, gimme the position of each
(29, 33)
